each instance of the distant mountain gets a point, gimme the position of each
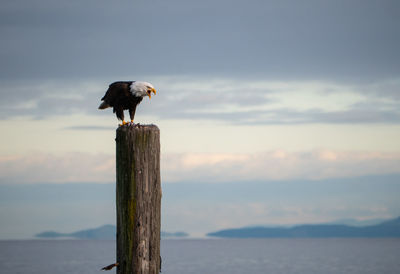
(354, 222)
(173, 234)
(389, 228)
(104, 232)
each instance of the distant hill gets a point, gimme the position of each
(173, 234)
(389, 228)
(354, 222)
(104, 232)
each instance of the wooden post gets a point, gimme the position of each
(138, 199)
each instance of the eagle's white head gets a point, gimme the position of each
(142, 89)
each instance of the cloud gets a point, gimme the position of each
(277, 165)
(202, 167)
(274, 102)
(257, 102)
(274, 39)
(53, 168)
(40, 100)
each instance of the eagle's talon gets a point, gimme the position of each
(123, 123)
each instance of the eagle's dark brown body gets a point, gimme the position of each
(120, 97)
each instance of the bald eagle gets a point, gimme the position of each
(126, 95)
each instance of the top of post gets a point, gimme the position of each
(139, 135)
(137, 127)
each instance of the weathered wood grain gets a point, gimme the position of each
(138, 199)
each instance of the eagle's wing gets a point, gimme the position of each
(116, 91)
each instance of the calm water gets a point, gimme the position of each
(286, 256)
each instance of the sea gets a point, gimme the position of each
(220, 256)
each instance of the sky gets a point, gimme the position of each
(275, 97)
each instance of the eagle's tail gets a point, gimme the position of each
(104, 105)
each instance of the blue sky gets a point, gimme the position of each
(248, 91)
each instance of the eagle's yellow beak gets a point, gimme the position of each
(150, 91)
